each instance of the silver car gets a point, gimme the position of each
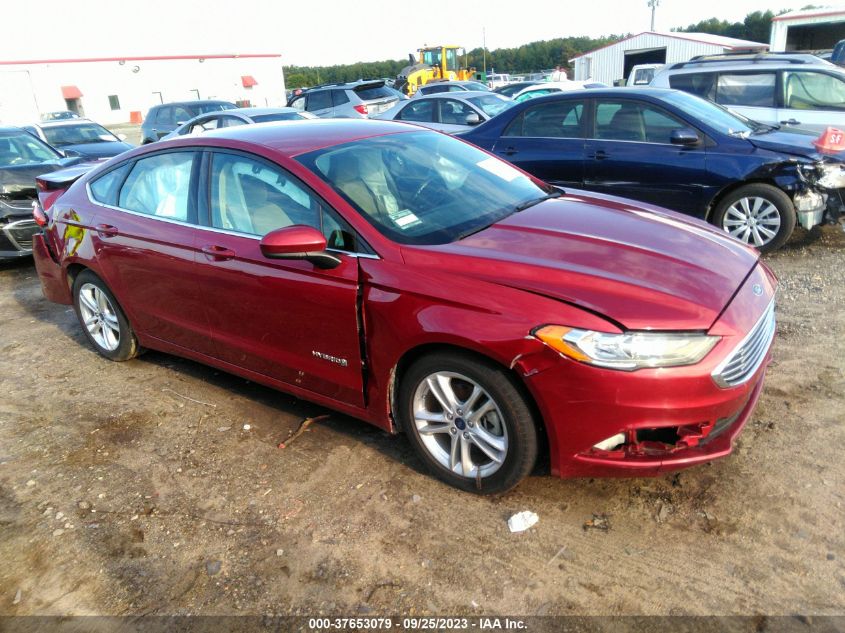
(449, 112)
(238, 116)
(789, 90)
(352, 100)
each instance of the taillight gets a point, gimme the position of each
(38, 214)
(362, 109)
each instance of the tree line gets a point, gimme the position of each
(530, 57)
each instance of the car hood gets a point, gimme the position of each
(795, 142)
(638, 266)
(104, 149)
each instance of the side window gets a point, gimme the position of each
(421, 110)
(105, 188)
(699, 84)
(165, 116)
(813, 91)
(560, 119)
(659, 125)
(230, 121)
(747, 89)
(454, 112)
(204, 125)
(181, 114)
(298, 104)
(319, 100)
(253, 197)
(159, 185)
(339, 97)
(619, 121)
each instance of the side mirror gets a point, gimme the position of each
(473, 118)
(298, 242)
(684, 136)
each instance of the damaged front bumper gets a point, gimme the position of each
(17, 227)
(822, 198)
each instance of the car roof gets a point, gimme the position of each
(632, 91)
(11, 128)
(750, 60)
(190, 103)
(301, 136)
(464, 94)
(258, 111)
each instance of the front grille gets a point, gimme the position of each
(20, 234)
(744, 361)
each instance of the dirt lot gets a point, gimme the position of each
(133, 489)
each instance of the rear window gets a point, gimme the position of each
(211, 107)
(368, 92)
(106, 188)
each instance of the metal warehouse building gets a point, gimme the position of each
(614, 61)
(120, 89)
(816, 29)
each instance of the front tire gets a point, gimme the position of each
(468, 422)
(102, 319)
(760, 215)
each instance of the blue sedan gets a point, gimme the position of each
(674, 150)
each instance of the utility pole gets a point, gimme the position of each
(484, 49)
(653, 4)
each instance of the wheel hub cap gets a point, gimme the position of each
(99, 317)
(752, 220)
(460, 425)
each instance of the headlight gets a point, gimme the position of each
(832, 176)
(628, 351)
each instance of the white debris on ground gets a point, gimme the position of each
(521, 521)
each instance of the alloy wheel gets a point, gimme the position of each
(460, 424)
(99, 317)
(753, 220)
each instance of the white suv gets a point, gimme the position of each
(790, 90)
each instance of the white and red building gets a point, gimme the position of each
(113, 90)
(614, 62)
(808, 30)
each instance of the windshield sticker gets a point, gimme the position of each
(500, 169)
(403, 218)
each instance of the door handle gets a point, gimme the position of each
(790, 122)
(218, 253)
(106, 230)
(510, 151)
(599, 155)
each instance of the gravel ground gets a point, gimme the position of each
(138, 488)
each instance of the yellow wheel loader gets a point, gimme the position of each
(434, 63)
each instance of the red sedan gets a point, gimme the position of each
(411, 280)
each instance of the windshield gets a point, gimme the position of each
(423, 187)
(77, 134)
(368, 92)
(491, 105)
(20, 149)
(712, 114)
(278, 116)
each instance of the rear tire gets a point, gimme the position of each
(102, 319)
(757, 214)
(468, 422)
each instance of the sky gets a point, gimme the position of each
(329, 32)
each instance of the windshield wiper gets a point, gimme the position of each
(531, 203)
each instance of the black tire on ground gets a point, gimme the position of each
(127, 347)
(516, 416)
(769, 193)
